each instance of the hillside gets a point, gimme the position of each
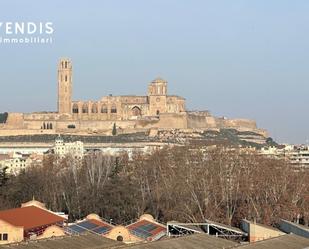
(176, 136)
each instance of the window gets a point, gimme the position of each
(66, 78)
(66, 64)
(158, 112)
(103, 109)
(75, 108)
(94, 108)
(136, 111)
(85, 108)
(113, 109)
(4, 236)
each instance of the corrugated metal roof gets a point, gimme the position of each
(288, 241)
(196, 241)
(85, 241)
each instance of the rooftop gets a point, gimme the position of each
(288, 241)
(29, 217)
(147, 229)
(196, 241)
(85, 241)
(90, 225)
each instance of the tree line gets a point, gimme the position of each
(183, 183)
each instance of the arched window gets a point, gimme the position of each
(94, 108)
(136, 111)
(66, 78)
(51, 126)
(75, 108)
(113, 109)
(85, 108)
(158, 112)
(104, 109)
(44, 126)
(47, 126)
(66, 64)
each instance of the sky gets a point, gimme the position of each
(238, 59)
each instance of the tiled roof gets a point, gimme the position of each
(4, 157)
(29, 217)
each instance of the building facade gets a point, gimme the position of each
(31, 221)
(16, 162)
(115, 107)
(298, 156)
(74, 149)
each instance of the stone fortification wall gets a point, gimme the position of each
(171, 120)
(17, 132)
(14, 120)
(200, 121)
(34, 123)
(236, 123)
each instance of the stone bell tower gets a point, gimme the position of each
(157, 93)
(64, 86)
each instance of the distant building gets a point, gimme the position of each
(74, 149)
(31, 221)
(296, 155)
(16, 162)
(155, 109)
(299, 156)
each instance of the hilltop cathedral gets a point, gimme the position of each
(130, 113)
(115, 107)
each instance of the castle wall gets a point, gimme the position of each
(172, 120)
(94, 123)
(236, 123)
(94, 126)
(201, 121)
(14, 120)
(17, 132)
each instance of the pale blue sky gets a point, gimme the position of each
(246, 58)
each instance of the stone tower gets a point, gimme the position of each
(157, 92)
(64, 86)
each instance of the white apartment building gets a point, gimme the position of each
(15, 162)
(75, 149)
(300, 156)
(297, 155)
